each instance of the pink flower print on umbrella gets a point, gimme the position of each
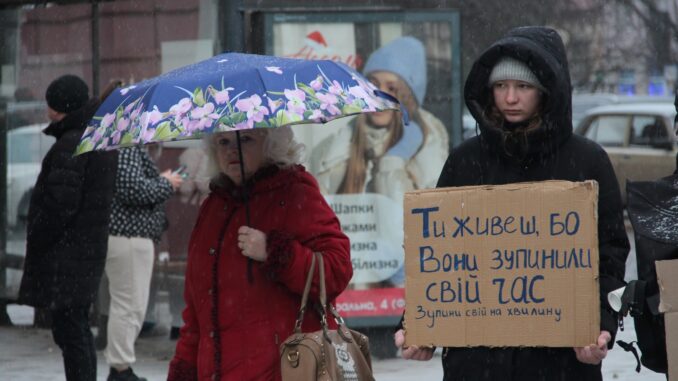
(148, 120)
(274, 104)
(328, 103)
(136, 111)
(203, 117)
(335, 88)
(122, 125)
(154, 116)
(253, 108)
(361, 94)
(107, 120)
(233, 91)
(316, 115)
(182, 107)
(115, 137)
(295, 101)
(317, 83)
(222, 96)
(147, 135)
(96, 136)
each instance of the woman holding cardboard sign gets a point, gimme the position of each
(519, 91)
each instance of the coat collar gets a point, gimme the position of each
(265, 179)
(75, 120)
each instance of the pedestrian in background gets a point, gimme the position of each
(67, 227)
(519, 91)
(137, 221)
(244, 280)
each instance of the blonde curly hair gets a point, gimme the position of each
(280, 148)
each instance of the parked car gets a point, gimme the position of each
(638, 137)
(26, 147)
(582, 102)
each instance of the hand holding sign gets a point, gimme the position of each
(594, 353)
(412, 352)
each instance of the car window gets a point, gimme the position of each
(27, 147)
(646, 130)
(608, 130)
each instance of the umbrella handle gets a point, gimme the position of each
(250, 279)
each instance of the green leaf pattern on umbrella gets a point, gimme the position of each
(210, 109)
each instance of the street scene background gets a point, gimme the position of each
(29, 354)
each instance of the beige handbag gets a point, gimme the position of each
(327, 354)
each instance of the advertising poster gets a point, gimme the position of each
(365, 164)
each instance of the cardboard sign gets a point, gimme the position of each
(505, 265)
(667, 278)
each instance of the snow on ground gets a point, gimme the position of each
(28, 354)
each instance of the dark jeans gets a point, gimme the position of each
(71, 332)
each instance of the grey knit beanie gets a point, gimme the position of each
(510, 68)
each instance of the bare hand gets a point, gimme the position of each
(412, 352)
(252, 243)
(594, 353)
(174, 178)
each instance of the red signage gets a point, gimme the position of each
(316, 48)
(373, 302)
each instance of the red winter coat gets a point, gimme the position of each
(236, 325)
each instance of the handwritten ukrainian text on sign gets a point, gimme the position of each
(509, 265)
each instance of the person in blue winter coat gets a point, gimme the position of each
(520, 93)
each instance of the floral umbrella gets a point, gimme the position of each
(231, 92)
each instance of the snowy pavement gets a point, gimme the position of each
(28, 354)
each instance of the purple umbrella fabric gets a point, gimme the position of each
(231, 92)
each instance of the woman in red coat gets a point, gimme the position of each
(238, 313)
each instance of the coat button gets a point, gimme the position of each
(212, 334)
(212, 251)
(214, 377)
(210, 291)
(282, 203)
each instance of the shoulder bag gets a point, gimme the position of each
(328, 354)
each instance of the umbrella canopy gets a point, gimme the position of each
(231, 92)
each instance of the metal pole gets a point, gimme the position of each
(232, 26)
(95, 48)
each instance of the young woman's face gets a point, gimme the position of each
(252, 143)
(388, 83)
(517, 101)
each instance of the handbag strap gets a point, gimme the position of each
(304, 295)
(323, 308)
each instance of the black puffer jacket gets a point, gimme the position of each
(68, 219)
(552, 152)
